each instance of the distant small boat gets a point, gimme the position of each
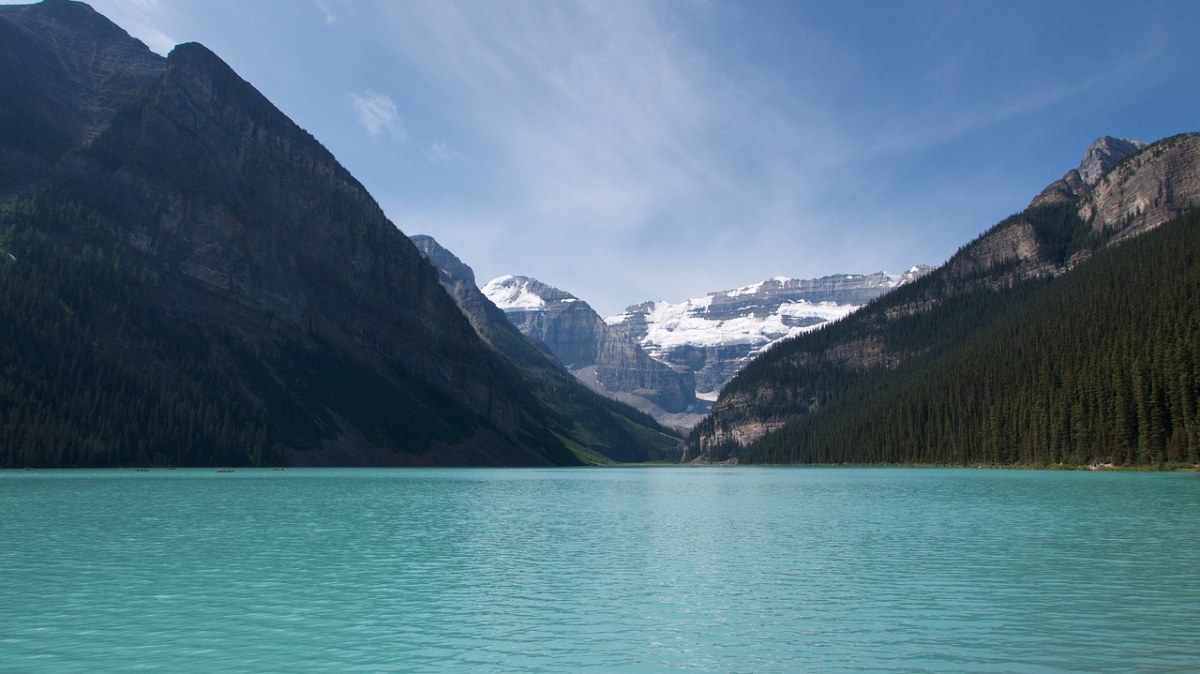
(224, 470)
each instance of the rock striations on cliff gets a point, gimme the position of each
(1098, 159)
(191, 278)
(1122, 188)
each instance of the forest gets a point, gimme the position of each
(1098, 366)
(82, 378)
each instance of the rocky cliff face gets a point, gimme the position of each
(715, 336)
(1146, 189)
(602, 357)
(1103, 154)
(1122, 188)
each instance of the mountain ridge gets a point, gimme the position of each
(716, 335)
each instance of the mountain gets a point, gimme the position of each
(715, 336)
(189, 278)
(1064, 334)
(1100, 157)
(671, 360)
(605, 429)
(603, 358)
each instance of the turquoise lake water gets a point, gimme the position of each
(604, 570)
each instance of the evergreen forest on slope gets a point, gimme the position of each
(1100, 365)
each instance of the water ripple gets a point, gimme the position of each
(626, 570)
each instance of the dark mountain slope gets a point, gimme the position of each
(196, 280)
(66, 71)
(901, 336)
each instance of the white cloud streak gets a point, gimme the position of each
(377, 114)
(327, 12)
(609, 124)
(440, 152)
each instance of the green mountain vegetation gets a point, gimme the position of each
(1099, 365)
(67, 401)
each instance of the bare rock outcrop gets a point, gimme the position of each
(1147, 189)
(1099, 158)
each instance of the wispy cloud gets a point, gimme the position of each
(143, 19)
(608, 123)
(326, 7)
(440, 152)
(377, 114)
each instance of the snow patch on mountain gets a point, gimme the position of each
(512, 292)
(715, 335)
(688, 323)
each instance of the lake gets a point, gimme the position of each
(600, 569)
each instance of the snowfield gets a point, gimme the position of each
(509, 292)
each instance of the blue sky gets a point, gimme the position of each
(629, 151)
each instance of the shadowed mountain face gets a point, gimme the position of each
(213, 282)
(1017, 350)
(66, 72)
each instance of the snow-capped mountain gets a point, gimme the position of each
(604, 358)
(672, 359)
(716, 335)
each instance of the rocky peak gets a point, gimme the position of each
(67, 70)
(1139, 187)
(1146, 189)
(448, 265)
(512, 293)
(1103, 154)
(1100, 157)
